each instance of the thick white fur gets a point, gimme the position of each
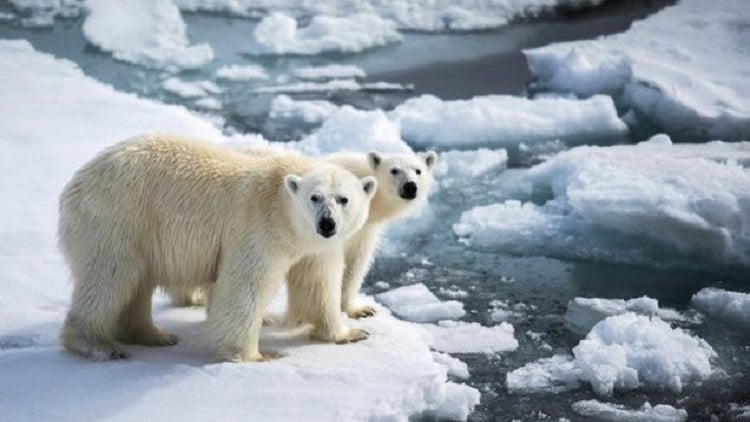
(162, 210)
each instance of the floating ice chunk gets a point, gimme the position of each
(208, 103)
(554, 374)
(332, 85)
(190, 89)
(455, 167)
(665, 68)
(310, 111)
(507, 121)
(619, 413)
(145, 32)
(456, 368)
(725, 305)
(453, 292)
(459, 402)
(653, 203)
(630, 351)
(350, 129)
(418, 304)
(333, 71)
(583, 313)
(241, 73)
(279, 34)
(470, 337)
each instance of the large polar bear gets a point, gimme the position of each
(161, 210)
(403, 183)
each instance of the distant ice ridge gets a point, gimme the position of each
(145, 32)
(332, 71)
(423, 15)
(241, 73)
(190, 89)
(309, 111)
(619, 413)
(682, 68)
(507, 121)
(652, 203)
(392, 376)
(279, 34)
(622, 352)
(731, 307)
(332, 85)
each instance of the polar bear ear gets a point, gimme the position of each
(374, 159)
(292, 181)
(430, 157)
(369, 185)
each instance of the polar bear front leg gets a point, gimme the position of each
(238, 302)
(359, 253)
(314, 293)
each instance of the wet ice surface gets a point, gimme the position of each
(430, 254)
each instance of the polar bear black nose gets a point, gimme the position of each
(409, 190)
(326, 227)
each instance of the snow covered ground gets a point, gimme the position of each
(683, 69)
(392, 375)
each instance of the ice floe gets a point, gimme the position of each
(237, 72)
(309, 111)
(623, 352)
(332, 71)
(728, 306)
(653, 203)
(583, 313)
(470, 337)
(280, 34)
(418, 304)
(190, 89)
(616, 412)
(507, 121)
(146, 32)
(681, 69)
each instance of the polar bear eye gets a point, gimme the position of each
(418, 171)
(315, 198)
(343, 200)
(394, 171)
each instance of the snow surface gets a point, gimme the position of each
(684, 68)
(504, 120)
(417, 303)
(423, 15)
(279, 34)
(732, 307)
(145, 32)
(652, 203)
(470, 337)
(456, 368)
(583, 313)
(332, 71)
(619, 413)
(390, 376)
(237, 72)
(622, 352)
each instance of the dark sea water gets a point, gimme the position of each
(461, 66)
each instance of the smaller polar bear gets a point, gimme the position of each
(162, 210)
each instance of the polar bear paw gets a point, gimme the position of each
(352, 336)
(364, 311)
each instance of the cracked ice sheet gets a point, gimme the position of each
(684, 67)
(391, 375)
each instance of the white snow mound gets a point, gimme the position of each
(470, 337)
(619, 413)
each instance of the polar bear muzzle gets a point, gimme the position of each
(408, 190)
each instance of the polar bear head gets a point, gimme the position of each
(330, 202)
(403, 179)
